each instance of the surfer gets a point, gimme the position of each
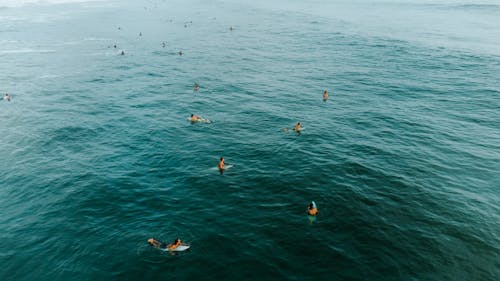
(175, 244)
(195, 118)
(221, 164)
(297, 127)
(312, 210)
(325, 95)
(7, 97)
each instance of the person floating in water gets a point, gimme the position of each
(7, 97)
(180, 53)
(297, 127)
(114, 46)
(163, 44)
(231, 28)
(155, 243)
(221, 164)
(140, 33)
(196, 87)
(312, 210)
(122, 53)
(325, 95)
(195, 118)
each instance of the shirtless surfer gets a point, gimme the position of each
(312, 210)
(221, 164)
(297, 127)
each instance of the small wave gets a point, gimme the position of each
(24, 51)
(477, 6)
(21, 3)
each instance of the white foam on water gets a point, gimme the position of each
(20, 3)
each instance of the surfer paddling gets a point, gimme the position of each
(157, 244)
(175, 244)
(195, 118)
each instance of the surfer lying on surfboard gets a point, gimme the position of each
(297, 128)
(157, 244)
(195, 118)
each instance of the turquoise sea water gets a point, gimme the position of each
(97, 154)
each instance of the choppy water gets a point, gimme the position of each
(97, 155)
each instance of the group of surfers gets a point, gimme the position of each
(311, 210)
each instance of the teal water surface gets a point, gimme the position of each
(97, 154)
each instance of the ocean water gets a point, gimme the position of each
(97, 154)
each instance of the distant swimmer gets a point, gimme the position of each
(231, 28)
(163, 44)
(119, 28)
(312, 210)
(325, 95)
(196, 87)
(122, 53)
(7, 97)
(114, 46)
(180, 53)
(221, 164)
(140, 33)
(297, 127)
(195, 118)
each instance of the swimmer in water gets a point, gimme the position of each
(155, 243)
(311, 210)
(163, 44)
(114, 46)
(140, 33)
(7, 97)
(122, 53)
(221, 164)
(231, 28)
(175, 244)
(196, 87)
(297, 127)
(325, 95)
(195, 118)
(180, 53)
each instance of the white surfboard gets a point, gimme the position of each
(226, 167)
(179, 248)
